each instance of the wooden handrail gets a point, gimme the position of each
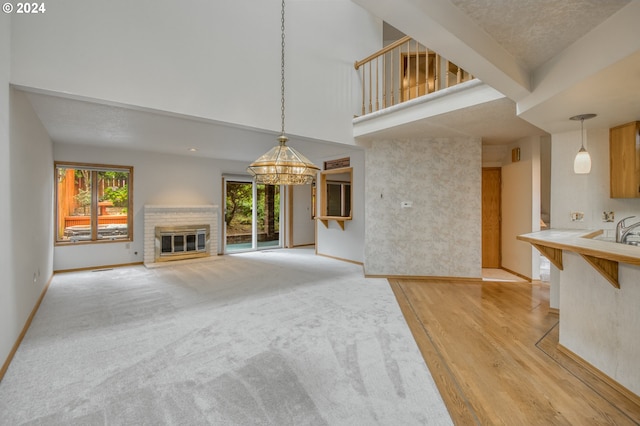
(382, 51)
(404, 70)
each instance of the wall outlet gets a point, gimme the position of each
(608, 216)
(577, 216)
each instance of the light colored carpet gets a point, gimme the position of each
(279, 337)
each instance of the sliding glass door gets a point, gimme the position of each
(252, 215)
(268, 215)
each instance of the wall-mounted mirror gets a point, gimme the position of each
(335, 187)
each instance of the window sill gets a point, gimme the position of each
(101, 241)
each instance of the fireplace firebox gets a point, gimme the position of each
(181, 242)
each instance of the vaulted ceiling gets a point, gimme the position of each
(519, 47)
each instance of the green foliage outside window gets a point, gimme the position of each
(83, 197)
(119, 196)
(238, 214)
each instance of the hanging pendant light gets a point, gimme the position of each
(582, 162)
(283, 165)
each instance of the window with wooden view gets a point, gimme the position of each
(94, 203)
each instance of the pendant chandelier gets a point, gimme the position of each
(283, 165)
(582, 162)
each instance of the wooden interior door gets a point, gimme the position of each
(491, 217)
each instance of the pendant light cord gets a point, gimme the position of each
(282, 70)
(283, 165)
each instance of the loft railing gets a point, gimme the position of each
(402, 71)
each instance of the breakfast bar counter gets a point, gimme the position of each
(603, 255)
(599, 323)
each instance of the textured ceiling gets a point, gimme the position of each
(535, 31)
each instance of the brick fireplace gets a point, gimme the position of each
(179, 218)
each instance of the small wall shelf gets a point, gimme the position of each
(340, 219)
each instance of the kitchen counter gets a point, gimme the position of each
(602, 255)
(599, 324)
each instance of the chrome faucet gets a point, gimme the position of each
(622, 231)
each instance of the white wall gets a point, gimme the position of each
(157, 179)
(585, 193)
(218, 60)
(494, 155)
(303, 223)
(31, 199)
(347, 244)
(588, 194)
(521, 208)
(440, 235)
(28, 230)
(10, 318)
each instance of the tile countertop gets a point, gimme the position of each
(582, 241)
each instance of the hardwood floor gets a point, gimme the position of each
(491, 348)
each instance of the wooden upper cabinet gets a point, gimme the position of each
(624, 155)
